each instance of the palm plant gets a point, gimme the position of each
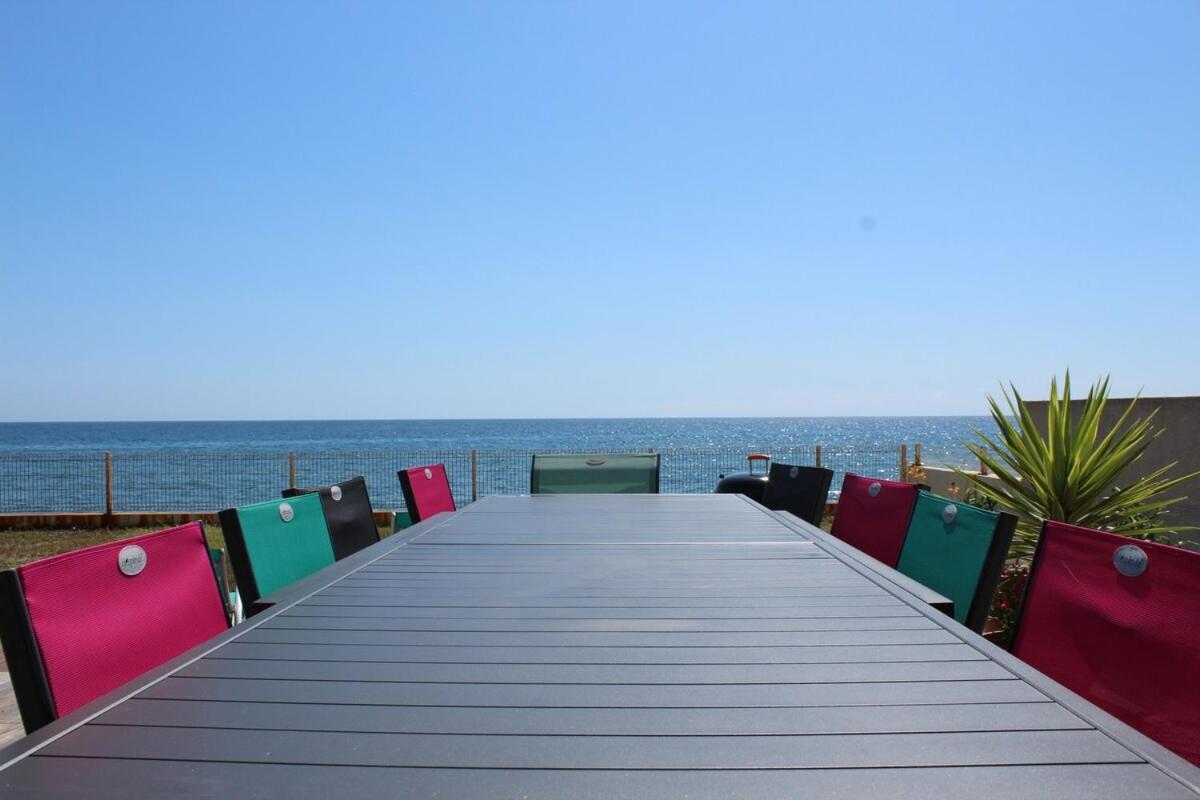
(1070, 474)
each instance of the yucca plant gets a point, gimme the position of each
(1071, 473)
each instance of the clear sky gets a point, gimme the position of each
(402, 210)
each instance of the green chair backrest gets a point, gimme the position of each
(276, 543)
(957, 550)
(560, 473)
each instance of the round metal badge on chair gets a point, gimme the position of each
(428, 474)
(131, 560)
(1130, 560)
(594, 462)
(949, 513)
(285, 512)
(335, 492)
(874, 489)
(793, 472)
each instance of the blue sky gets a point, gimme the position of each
(386, 210)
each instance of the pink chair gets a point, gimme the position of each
(1115, 620)
(78, 625)
(873, 515)
(426, 491)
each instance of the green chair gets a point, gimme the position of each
(276, 543)
(560, 473)
(957, 550)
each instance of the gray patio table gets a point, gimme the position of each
(596, 646)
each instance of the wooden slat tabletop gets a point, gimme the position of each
(584, 646)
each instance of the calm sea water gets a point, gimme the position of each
(55, 467)
(940, 437)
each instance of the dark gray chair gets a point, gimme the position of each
(802, 491)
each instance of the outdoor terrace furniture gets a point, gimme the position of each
(565, 473)
(803, 491)
(426, 491)
(276, 543)
(873, 515)
(598, 647)
(79, 625)
(958, 550)
(1118, 621)
(348, 515)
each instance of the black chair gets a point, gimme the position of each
(802, 491)
(348, 515)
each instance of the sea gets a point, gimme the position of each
(941, 437)
(156, 466)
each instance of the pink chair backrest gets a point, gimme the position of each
(873, 515)
(1115, 620)
(98, 626)
(427, 491)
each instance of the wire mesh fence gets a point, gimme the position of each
(60, 482)
(202, 481)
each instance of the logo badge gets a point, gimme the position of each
(336, 493)
(131, 560)
(1130, 560)
(793, 472)
(949, 513)
(874, 489)
(285, 512)
(428, 474)
(594, 462)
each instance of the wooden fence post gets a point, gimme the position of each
(818, 455)
(108, 488)
(291, 470)
(474, 475)
(917, 455)
(903, 462)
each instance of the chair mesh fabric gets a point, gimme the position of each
(348, 515)
(948, 551)
(802, 491)
(280, 553)
(1129, 644)
(98, 628)
(874, 521)
(426, 491)
(564, 473)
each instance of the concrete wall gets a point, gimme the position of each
(1180, 416)
(944, 482)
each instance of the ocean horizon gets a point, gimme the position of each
(941, 437)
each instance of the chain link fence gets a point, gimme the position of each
(202, 481)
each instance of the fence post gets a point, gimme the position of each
(291, 470)
(818, 455)
(108, 487)
(903, 462)
(917, 455)
(474, 475)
